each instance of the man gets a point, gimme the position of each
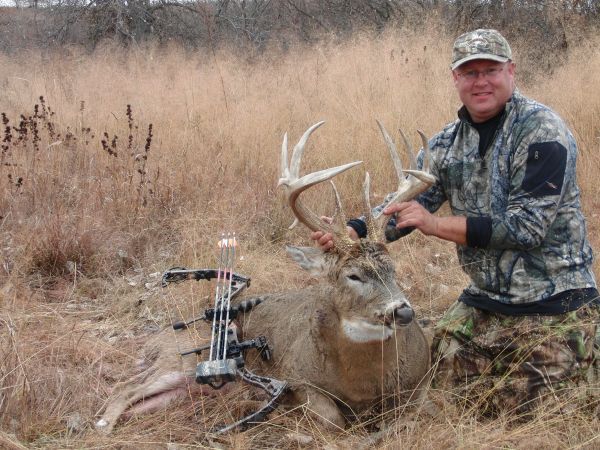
(507, 167)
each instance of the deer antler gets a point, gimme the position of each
(294, 185)
(409, 186)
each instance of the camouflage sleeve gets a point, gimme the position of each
(543, 168)
(359, 225)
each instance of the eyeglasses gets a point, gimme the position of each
(488, 74)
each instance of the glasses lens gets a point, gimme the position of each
(472, 75)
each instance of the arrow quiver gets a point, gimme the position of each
(226, 354)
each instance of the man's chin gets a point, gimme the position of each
(481, 112)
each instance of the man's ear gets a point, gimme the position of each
(511, 72)
(314, 261)
(455, 77)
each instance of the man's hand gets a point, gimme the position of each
(325, 240)
(412, 214)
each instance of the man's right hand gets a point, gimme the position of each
(325, 240)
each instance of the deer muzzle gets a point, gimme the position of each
(398, 315)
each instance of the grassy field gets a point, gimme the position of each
(121, 164)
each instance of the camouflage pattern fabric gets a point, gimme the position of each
(480, 44)
(509, 363)
(538, 246)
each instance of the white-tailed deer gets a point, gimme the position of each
(349, 341)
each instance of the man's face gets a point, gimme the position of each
(484, 87)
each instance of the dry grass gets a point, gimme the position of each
(84, 231)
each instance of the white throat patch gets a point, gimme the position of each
(361, 332)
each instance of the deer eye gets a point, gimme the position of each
(354, 277)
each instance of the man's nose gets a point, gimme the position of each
(481, 78)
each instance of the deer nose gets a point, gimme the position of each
(403, 315)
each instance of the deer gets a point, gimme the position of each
(343, 344)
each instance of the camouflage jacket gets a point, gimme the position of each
(524, 189)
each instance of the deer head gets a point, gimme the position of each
(368, 303)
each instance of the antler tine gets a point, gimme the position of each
(339, 218)
(392, 149)
(299, 150)
(294, 224)
(423, 175)
(295, 185)
(427, 155)
(409, 148)
(336, 198)
(285, 172)
(372, 228)
(409, 186)
(367, 191)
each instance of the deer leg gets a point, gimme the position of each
(172, 381)
(323, 408)
(156, 402)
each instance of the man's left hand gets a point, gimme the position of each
(412, 214)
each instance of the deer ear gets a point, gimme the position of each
(311, 259)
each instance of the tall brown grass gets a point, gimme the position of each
(86, 224)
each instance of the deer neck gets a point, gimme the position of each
(363, 367)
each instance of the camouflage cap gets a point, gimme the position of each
(480, 44)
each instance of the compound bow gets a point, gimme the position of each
(226, 354)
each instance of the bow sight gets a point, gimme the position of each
(226, 354)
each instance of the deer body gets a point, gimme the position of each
(334, 354)
(348, 341)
